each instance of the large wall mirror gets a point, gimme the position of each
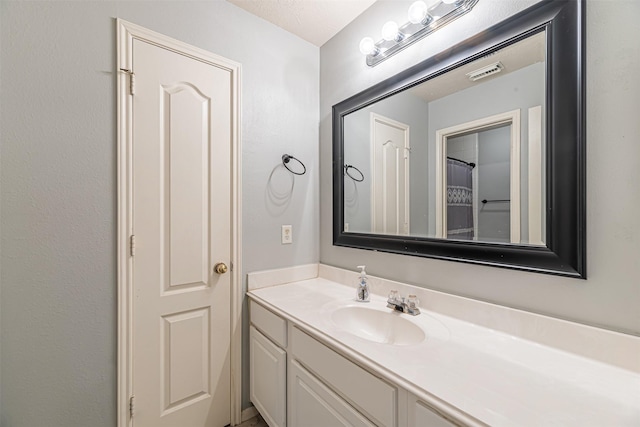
(475, 155)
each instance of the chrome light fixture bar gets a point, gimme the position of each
(425, 17)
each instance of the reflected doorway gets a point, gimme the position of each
(478, 185)
(478, 180)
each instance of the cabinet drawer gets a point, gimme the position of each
(373, 396)
(268, 323)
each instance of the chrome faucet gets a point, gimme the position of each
(407, 305)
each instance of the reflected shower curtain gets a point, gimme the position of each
(459, 200)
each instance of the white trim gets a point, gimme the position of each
(126, 33)
(124, 124)
(535, 176)
(509, 117)
(476, 192)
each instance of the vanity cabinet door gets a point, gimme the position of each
(374, 397)
(268, 378)
(312, 404)
(422, 415)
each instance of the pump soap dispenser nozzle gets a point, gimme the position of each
(362, 293)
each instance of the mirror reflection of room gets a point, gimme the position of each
(478, 185)
(416, 149)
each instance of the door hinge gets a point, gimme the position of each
(132, 80)
(132, 244)
(131, 406)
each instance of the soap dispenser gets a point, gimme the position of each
(362, 294)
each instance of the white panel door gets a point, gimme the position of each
(390, 192)
(181, 221)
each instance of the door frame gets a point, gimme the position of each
(509, 117)
(126, 34)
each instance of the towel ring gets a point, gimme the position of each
(346, 171)
(286, 158)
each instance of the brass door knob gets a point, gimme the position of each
(220, 268)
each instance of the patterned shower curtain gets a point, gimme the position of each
(459, 200)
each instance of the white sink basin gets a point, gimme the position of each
(386, 327)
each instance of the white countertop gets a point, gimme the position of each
(492, 377)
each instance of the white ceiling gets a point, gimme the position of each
(315, 21)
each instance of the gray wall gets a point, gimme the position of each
(609, 298)
(58, 175)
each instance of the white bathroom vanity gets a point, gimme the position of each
(319, 358)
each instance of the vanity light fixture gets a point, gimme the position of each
(425, 17)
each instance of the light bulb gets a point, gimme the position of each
(390, 31)
(418, 12)
(449, 1)
(368, 46)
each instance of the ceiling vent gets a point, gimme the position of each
(486, 71)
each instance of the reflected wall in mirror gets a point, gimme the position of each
(476, 154)
(488, 113)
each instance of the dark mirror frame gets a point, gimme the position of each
(565, 253)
